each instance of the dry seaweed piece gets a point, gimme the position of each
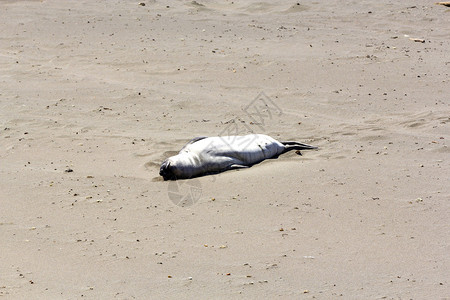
(417, 40)
(447, 3)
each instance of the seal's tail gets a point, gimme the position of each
(288, 146)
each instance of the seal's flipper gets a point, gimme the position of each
(288, 146)
(193, 141)
(196, 139)
(303, 146)
(236, 166)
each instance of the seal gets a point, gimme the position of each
(209, 155)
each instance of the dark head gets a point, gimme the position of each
(178, 167)
(167, 171)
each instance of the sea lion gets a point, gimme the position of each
(207, 155)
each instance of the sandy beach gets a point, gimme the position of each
(94, 95)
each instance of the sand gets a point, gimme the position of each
(94, 95)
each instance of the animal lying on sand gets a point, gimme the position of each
(209, 155)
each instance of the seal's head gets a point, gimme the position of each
(166, 170)
(176, 167)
